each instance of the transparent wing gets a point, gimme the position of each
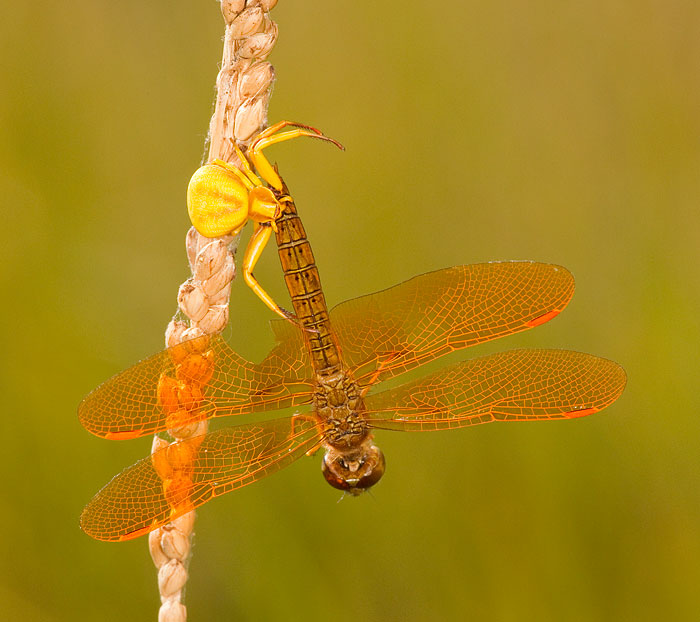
(198, 379)
(392, 331)
(154, 491)
(519, 385)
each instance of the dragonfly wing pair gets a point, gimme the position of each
(379, 336)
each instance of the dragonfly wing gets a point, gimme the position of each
(130, 404)
(154, 491)
(519, 385)
(389, 332)
(289, 357)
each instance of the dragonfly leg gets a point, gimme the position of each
(270, 137)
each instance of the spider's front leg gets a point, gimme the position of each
(258, 241)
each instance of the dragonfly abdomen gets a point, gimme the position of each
(304, 285)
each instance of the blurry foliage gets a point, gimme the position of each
(562, 132)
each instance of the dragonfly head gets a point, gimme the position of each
(354, 472)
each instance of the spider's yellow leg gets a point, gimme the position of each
(246, 166)
(245, 180)
(253, 251)
(268, 131)
(263, 140)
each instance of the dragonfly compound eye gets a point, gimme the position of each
(354, 476)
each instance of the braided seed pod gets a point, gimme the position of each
(244, 80)
(243, 88)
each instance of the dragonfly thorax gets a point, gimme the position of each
(352, 461)
(340, 411)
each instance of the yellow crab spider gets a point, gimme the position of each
(222, 198)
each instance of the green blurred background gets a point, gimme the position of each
(565, 132)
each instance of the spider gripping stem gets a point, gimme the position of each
(222, 198)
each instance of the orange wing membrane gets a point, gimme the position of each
(168, 483)
(380, 336)
(134, 403)
(519, 385)
(390, 332)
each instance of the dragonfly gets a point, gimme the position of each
(331, 362)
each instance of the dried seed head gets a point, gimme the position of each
(231, 8)
(175, 545)
(173, 334)
(192, 300)
(184, 523)
(157, 554)
(259, 45)
(172, 577)
(243, 90)
(172, 611)
(221, 278)
(215, 320)
(255, 80)
(191, 333)
(247, 22)
(250, 118)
